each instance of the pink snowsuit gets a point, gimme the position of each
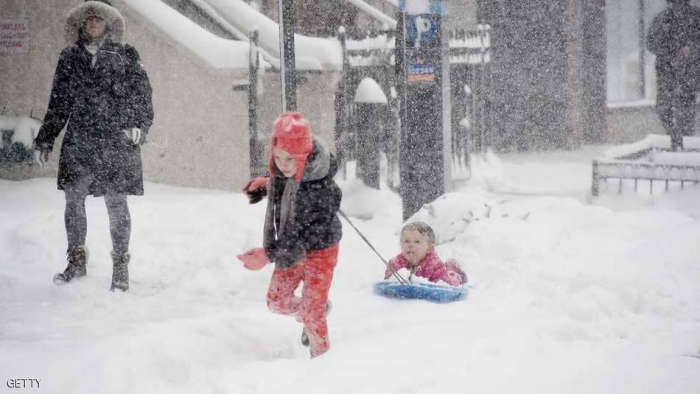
(431, 268)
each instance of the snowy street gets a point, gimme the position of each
(567, 294)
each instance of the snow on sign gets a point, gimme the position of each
(14, 36)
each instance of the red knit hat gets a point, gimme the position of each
(292, 133)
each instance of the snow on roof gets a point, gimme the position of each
(370, 92)
(311, 53)
(219, 52)
(374, 13)
(25, 129)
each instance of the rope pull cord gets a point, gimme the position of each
(396, 275)
(412, 271)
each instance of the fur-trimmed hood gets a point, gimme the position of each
(75, 21)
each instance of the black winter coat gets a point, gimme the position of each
(316, 224)
(674, 28)
(99, 102)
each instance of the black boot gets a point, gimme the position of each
(77, 265)
(120, 271)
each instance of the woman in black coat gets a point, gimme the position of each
(102, 92)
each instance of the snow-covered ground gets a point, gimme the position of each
(568, 294)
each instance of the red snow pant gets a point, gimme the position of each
(317, 273)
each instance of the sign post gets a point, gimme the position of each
(287, 26)
(423, 70)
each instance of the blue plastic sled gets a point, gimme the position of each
(420, 291)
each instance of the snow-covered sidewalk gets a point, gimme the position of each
(568, 295)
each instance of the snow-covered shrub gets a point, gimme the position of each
(16, 138)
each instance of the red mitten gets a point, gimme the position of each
(254, 259)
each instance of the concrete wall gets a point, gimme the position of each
(200, 133)
(25, 78)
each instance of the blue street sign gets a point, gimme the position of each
(422, 30)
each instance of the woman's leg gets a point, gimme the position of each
(318, 274)
(119, 222)
(76, 231)
(75, 216)
(280, 295)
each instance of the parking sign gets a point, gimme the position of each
(422, 30)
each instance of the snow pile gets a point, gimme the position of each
(365, 203)
(369, 92)
(488, 173)
(452, 213)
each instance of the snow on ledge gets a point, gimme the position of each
(628, 149)
(632, 104)
(220, 53)
(650, 142)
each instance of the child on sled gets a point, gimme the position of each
(302, 230)
(419, 257)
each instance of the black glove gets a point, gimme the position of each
(256, 189)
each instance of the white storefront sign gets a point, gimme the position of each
(14, 36)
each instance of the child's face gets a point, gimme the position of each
(285, 162)
(414, 246)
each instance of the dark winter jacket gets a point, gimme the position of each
(98, 103)
(676, 27)
(315, 224)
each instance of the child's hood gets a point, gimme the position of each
(319, 167)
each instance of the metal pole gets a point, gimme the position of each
(341, 106)
(287, 55)
(253, 67)
(642, 50)
(595, 179)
